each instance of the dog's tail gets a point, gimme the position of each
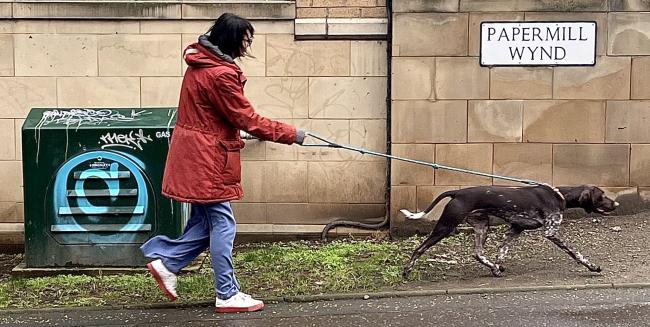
(421, 214)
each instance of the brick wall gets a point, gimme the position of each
(561, 125)
(341, 8)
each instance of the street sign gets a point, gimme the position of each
(538, 43)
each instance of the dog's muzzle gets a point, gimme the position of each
(607, 212)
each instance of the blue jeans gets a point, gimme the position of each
(211, 225)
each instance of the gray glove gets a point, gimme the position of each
(300, 136)
(244, 135)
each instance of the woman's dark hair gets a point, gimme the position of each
(228, 33)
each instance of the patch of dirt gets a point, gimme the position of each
(7, 263)
(619, 245)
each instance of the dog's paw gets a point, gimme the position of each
(498, 271)
(501, 268)
(595, 268)
(411, 215)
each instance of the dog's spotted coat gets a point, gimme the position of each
(523, 208)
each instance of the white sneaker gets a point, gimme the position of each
(240, 302)
(165, 278)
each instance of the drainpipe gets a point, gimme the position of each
(384, 222)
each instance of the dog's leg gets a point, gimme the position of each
(446, 225)
(436, 235)
(511, 236)
(552, 233)
(480, 225)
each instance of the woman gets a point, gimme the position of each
(203, 164)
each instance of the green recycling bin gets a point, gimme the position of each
(92, 185)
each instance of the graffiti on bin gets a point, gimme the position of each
(80, 117)
(133, 140)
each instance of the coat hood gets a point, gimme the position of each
(205, 54)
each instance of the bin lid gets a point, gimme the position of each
(99, 118)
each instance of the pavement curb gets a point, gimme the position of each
(343, 296)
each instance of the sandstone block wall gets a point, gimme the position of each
(561, 125)
(341, 8)
(334, 88)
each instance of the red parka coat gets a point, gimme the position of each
(203, 163)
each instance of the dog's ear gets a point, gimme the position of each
(586, 195)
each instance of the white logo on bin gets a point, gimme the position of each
(66, 212)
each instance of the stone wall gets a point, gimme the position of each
(336, 19)
(341, 8)
(335, 88)
(560, 125)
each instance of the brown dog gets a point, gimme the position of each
(522, 208)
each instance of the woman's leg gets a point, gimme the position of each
(178, 253)
(222, 236)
